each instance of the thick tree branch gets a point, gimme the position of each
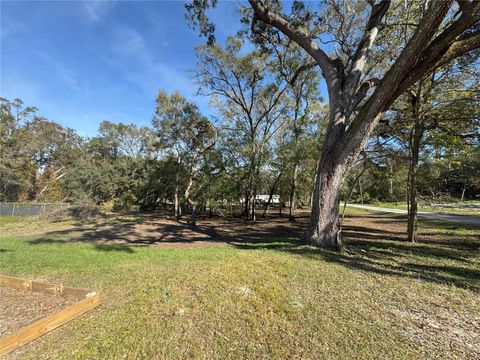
(386, 92)
(302, 39)
(369, 35)
(362, 91)
(453, 51)
(447, 46)
(460, 48)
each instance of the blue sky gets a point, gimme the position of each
(81, 62)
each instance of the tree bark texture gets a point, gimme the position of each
(190, 202)
(412, 181)
(177, 210)
(324, 222)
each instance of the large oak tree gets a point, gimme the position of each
(443, 31)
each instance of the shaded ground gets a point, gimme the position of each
(19, 308)
(159, 230)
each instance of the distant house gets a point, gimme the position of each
(263, 199)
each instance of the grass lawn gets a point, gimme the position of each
(273, 298)
(460, 208)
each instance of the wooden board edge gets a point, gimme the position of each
(33, 331)
(43, 287)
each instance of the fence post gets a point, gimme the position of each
(13, 209)
(43, 209)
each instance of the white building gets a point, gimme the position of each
(263, 199)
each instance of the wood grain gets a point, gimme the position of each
(87, 301)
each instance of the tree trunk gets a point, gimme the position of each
(272, 191)
(360, 188)
(412, 183)
(415, 142)
(246, 204)
(192, 204)
(293, 193)
(413, 206)
(324, 224)
(177, 207)
(193, 219)
(390, 189)
(249, 202)
(210, 211)
(178, 213)
(463, 190)
(253, 201)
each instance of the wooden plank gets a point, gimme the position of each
(33, 331)
(52, 289)
(13, 282)
(30, 332)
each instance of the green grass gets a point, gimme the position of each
(459, 210)
(277, 299)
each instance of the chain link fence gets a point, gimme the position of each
(31, 209)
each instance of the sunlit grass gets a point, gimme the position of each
(464, 208)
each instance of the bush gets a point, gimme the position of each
(74, 211)
(126, 202)
(84, 211)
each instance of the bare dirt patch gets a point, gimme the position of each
(155, 229)
(22, 307)
(159, 230)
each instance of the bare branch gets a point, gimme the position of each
(299, 71)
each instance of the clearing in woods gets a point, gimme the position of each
(230, 289)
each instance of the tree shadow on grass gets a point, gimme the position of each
(114, 248)
(153, 231)
(450, 258)
(373, 243)
(388, 258)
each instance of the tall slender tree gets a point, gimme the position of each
(250, 101)
(444, 101)
(190, 135)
